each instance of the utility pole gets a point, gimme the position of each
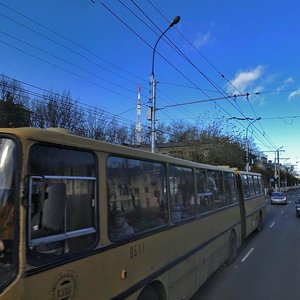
(247, 144)
(138, 125)
(284, 169)
(153, 86)
(278, 169)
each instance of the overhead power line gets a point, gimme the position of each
(87, 50)
(83, 106)
(172, 65)
(78, 45)
(67, 62)
(212, 65)
(203, 101)
(74, 51)
(68, 49)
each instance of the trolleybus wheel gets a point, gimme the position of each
(260, 224)
(232, 251)
(149, 293)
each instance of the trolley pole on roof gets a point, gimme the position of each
(153, 87)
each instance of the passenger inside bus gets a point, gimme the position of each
(118, 226)
(6, 232)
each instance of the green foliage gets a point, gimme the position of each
(214, 143)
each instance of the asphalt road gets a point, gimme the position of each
(268, 264)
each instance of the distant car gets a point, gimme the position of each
(278, 198)
(297, 208)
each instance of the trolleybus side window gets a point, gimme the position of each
(136, 196)
(216, 188)
(204, 196)
(257, 185)
(182, 193)
(230, 188)
(251, 185)
(62, 200)
(245, 186)
(222, 200)
(261, 185)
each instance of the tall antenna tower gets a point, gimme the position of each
(138, 127)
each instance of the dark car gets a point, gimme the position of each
(297, 208)
(278, 198)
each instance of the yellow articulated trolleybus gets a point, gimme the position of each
(83, 219)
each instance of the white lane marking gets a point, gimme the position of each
(247, 255)
(272, 224)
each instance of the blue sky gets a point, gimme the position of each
(102, 50)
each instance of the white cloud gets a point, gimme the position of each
(258, 89)
(280, 88)
(245, 78)
(289, 80)
(285, 82)
(293, 94)
(257, 98)
(271, 78)
(201, 40)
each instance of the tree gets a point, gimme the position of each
(13, 104)
(132, 135)
(180, 131)
(161, 133)
(226, 152)
(217, 142)
(58, 110)
(95, 125)
(146, 131)
(11, 89)
(116, 134)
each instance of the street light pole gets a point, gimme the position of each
(278, 169)
(153, 86)
(247, 146)
(284, 170)
(277, 166)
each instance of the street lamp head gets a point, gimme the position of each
(175, 21)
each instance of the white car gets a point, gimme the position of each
(278, 198)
